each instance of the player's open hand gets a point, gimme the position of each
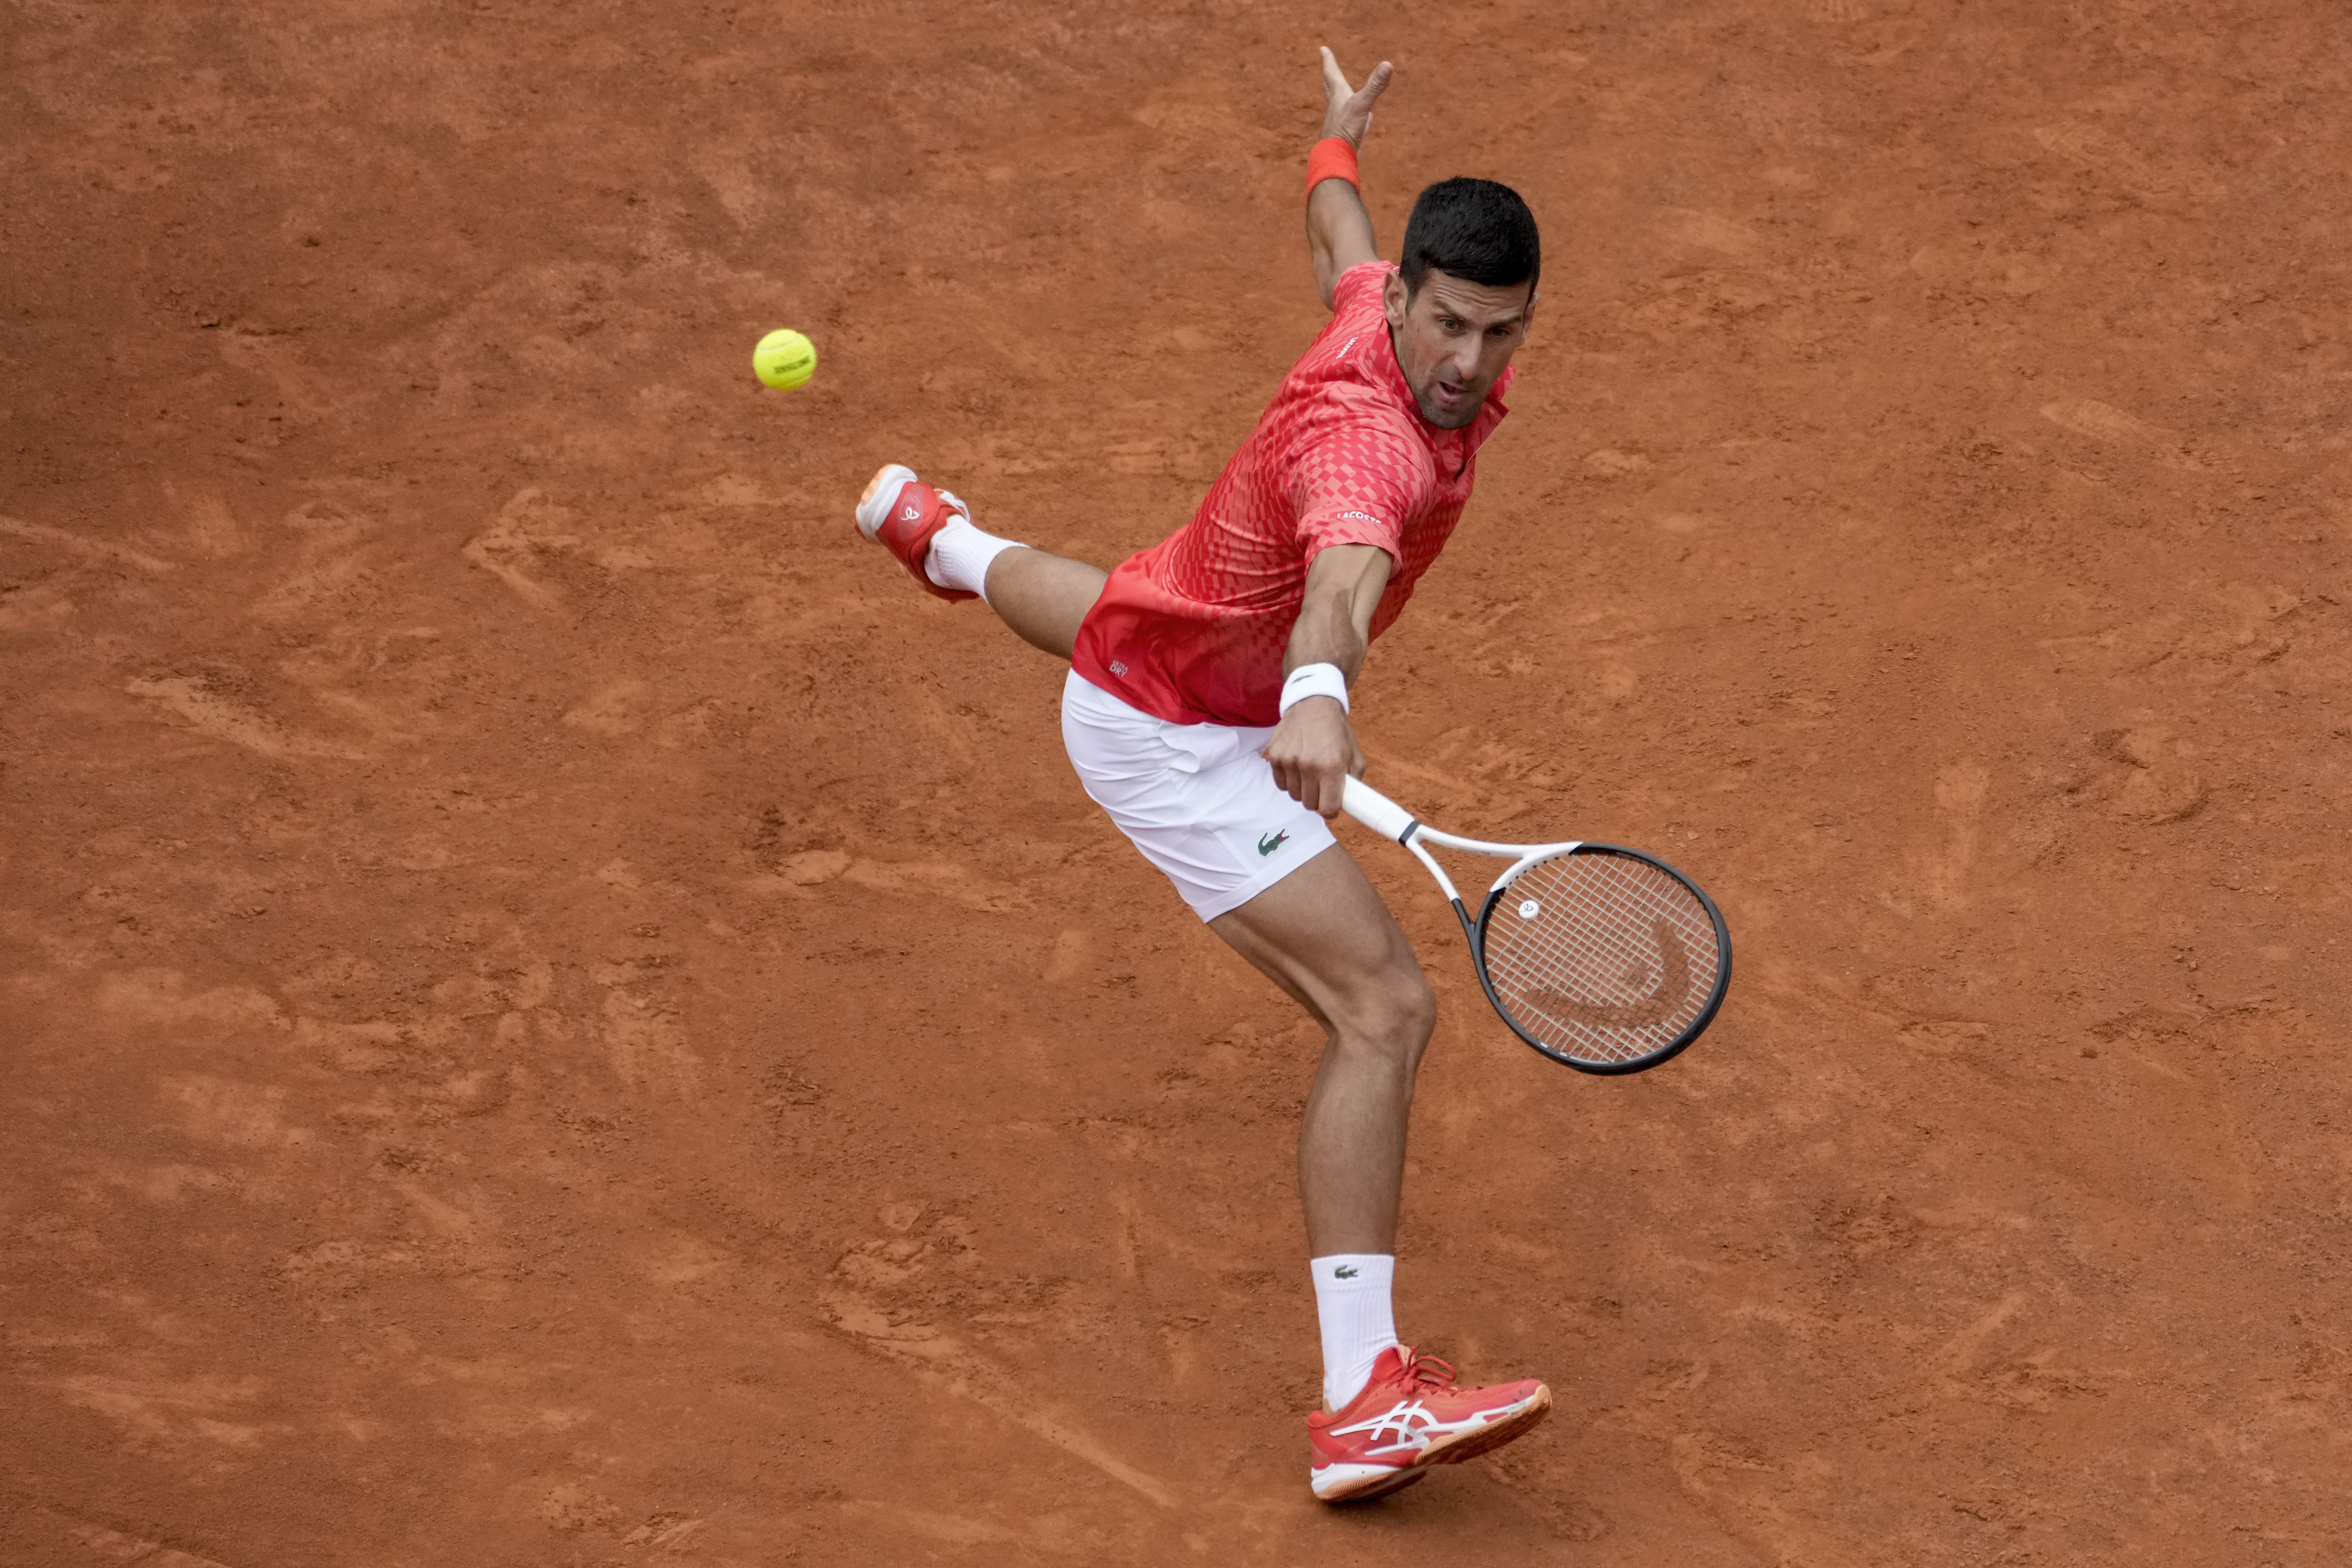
(1313, 752)
(1349, 111)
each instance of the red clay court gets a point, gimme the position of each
(557, 1013)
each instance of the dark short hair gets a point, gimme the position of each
(1475, 230)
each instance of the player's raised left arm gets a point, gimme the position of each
(1338, 229)
(1313, 751)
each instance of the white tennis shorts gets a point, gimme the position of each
(1197, 799)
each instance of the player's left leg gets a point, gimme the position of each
(1041, 595)
(1323, 935)
(1265, 873)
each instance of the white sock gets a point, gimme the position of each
(1351, 1303)
(961, 555)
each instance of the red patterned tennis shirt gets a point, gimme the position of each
(1194, 629)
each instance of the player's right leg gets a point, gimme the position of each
(1042, 596)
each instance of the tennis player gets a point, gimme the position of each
(1206, 711)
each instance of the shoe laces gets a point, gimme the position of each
(1427, 1370)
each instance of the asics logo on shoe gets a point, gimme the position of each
(1267, 846)
(1345, 1271)
(1412, 1427)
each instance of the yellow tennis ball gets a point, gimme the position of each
(784, 359)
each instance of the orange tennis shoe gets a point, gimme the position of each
(1411, 1417)
(901, 513)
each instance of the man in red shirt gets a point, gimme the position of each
(1206, 710)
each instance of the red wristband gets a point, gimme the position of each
(1334, 158)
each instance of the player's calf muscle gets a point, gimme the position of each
(1044, 597)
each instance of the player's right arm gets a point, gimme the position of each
(1313, 751)
(1338, 229)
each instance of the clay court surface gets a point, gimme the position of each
(557, 1011)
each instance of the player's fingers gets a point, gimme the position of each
(1374, 83)
(1327, 792)
(1334, 80)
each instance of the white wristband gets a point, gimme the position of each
(1314, 681)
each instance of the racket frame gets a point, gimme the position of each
(1387, 818)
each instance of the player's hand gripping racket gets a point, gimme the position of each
(1606, 959)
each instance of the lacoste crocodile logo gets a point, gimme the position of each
(1272, 842)
(1345, 1271)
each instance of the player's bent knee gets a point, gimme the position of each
(1392, 1015)
(1416, 1007)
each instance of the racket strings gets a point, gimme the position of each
(1602, 956)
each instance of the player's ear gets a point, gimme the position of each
(1393, 300)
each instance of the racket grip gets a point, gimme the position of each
(1375, 810)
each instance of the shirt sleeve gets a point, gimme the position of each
(1363, 276)
(1361, 480)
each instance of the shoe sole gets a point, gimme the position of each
(1450, 1451)
(1385, 1485)
(875, 504)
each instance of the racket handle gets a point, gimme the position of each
(1375, 810)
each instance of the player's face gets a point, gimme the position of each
(1453, 339)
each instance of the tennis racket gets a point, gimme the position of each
(1603, 958)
